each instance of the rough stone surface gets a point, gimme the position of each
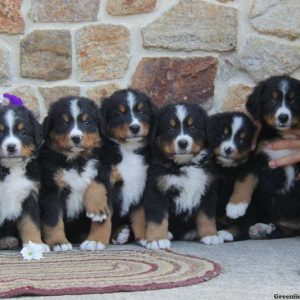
(168, 79)
(236, 97)
(27, 94)
(127, 7)
(4, 68)
(99, 92)
(64, 10)
(262, 58)
(277, 17)
(225, 1)
(51, 94)
(102, 52)
(192, 25)
(11, 19)
(46, 54)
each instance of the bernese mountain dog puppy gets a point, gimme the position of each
(230, 136)
(73, 195)
(275, 103)
(127, 118)
(180, 195)
(20, 139)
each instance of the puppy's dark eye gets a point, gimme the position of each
(141, 112)
(22, 132)
(87, 122)
(171, 130)
(63, 123)
(193, 127)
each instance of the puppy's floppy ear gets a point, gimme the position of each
(254, 101)
(38, 131)
(103, 113)
(46, 126)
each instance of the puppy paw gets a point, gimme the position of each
(9, 243)
(158, 244)
(190, 235)
(97, 217)
(91, 246)
(261, 230)
(212, 240)
(234, 211)
(226, 235)
(122, 237)
(62, 247)
(143, 243)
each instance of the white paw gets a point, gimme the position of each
(260, 230)
(122, 237)
(62, 247)
(226, 235)
(190, 235)
(46, 248)
(91, 246)
(170, 236)
(143, 243)
(159, 244)
(234, 211)
(97, 217)
(212, 240)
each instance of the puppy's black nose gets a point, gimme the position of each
(283, 118)
(135, 128)
(11, 148)
(228, 150)
(76, 139)
(182, 144)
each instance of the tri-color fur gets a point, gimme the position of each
(20, 139)
(73, 194)
(127, 118)
(275, 103)
(180, 195)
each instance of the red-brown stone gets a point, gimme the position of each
(11, 19)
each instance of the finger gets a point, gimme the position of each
(284, 144)
(285, 161)
(293, 131)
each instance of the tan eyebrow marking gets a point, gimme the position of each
(172, 122)
(85, 117)
(243, 134)
(2, 127)
(190, 121)
(122, 108)
(226, 130)
(140, 106)
(275, 95)
(66, 118)
(21, 126)
(291, 95)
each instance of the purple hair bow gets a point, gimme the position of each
(14, 100)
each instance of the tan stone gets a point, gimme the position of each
(51, 94)
(225, 1)
(4, 68)
(46, 54)
(192, 25)
(127, 7)
(167, 79)
(102, 52)
(263, 58)
(28, 95)
(277, 17)
(99, 92)
(236, 97)
(64, 10)
(11, 19)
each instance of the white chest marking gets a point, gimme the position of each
(134, 172)
(78, 183)
(289, 170)
(13, 191)
(192, 185)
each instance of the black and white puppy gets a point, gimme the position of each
(127, 117)
(230, 136)
(275, 103)
(20, 139)
(73, 196)
(180, 195)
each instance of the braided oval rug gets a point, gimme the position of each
(108, 271)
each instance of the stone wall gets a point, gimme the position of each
(210, 51)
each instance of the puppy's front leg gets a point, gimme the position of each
(99, 236)
(157, 235)
(95, 202)
(138, 225)
(241, 196)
